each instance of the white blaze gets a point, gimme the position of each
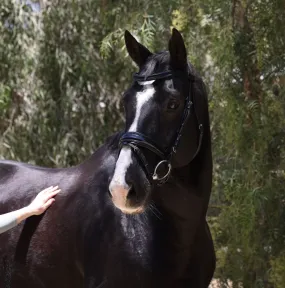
(142, 98)
(125, 157)
(123, 162)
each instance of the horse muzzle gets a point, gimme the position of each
(119, 194)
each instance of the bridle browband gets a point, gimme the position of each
(136, 140)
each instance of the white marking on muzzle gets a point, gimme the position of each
(125, 158)
(123, 162)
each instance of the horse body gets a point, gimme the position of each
(112, 226)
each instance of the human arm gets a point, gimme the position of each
(40, 204)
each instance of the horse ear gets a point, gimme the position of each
(137, 51)
(178, 54)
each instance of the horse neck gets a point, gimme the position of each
(196, 176)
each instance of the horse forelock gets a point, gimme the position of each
(156, 63)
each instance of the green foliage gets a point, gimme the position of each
(63, 70)
(277, 273)
(5, 99)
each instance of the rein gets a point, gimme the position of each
(136, 140)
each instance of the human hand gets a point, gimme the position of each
(43, 200)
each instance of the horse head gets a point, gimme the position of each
(163, 129)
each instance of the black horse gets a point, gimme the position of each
(134, 213)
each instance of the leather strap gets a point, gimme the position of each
(141, 140)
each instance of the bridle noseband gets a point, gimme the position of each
(136, 140)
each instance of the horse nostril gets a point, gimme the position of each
(129, 181)
(132, 192)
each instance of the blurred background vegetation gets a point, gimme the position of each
(64, 67)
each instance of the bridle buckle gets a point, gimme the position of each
(156, 177)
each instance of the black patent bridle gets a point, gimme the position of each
(136, 140)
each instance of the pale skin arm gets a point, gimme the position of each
(38, 206)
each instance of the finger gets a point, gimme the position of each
(41, 194)
(48, 203)
(53, 193)
(45, 190)
(49, 190)
(52, 188)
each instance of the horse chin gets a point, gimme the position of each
(128, 208)
(131, 210)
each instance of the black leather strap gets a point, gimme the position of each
(163, 75)
(201, 133)
(187, 112)
(142, 158)
(141, 140)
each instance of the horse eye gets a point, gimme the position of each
(172, 105)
